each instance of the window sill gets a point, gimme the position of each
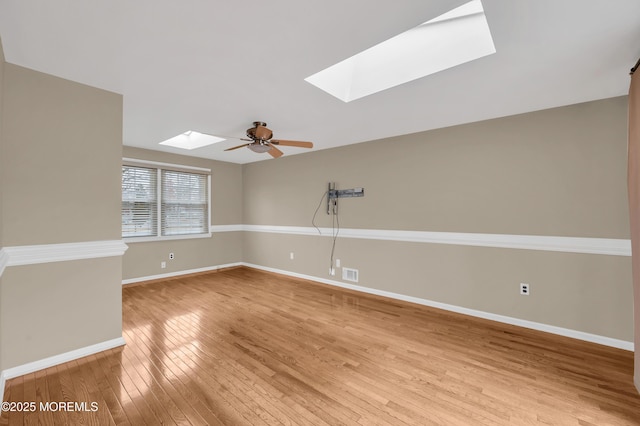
(165, 238)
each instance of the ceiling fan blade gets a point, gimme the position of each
(299, 144)
(275, 152)
(236, 147)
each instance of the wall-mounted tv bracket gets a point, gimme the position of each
(334, 194)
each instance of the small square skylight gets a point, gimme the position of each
(453, 38)
(191, 140)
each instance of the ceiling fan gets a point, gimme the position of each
(260, 141)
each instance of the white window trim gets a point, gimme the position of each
(157, 164)
(168, 166)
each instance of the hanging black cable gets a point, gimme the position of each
(635, 67)
(313, 219)
(335, 228)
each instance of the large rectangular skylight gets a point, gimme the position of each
(191, 140)
(458, 36)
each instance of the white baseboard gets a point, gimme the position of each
(31, 367)
(580, 335)
(179, 273)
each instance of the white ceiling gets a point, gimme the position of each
(217, 66)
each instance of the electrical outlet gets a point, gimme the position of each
(171, 256)
(163, 265)
(332, 271)
(337, 263)
(524, 289)
(291, 255)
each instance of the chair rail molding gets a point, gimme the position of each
(46, 253)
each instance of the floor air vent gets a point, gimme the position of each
(349, 274)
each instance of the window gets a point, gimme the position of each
(162, 202)
(139, 201)
(184, 206)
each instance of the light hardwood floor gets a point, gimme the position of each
(245, 347)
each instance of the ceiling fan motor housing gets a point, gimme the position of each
(260, 132)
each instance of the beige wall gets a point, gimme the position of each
(558, 172)
(143, 259)
(62, 169)
(52, 308)
(554, 172)
(60, 165)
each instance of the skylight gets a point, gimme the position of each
(191, 140)
(453, 38)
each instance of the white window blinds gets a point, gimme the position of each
(159, 202)
(184, 203)
(139, 202)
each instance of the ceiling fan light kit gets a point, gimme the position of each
(259, 148)
(260, 141)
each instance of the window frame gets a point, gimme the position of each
(159, 166)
